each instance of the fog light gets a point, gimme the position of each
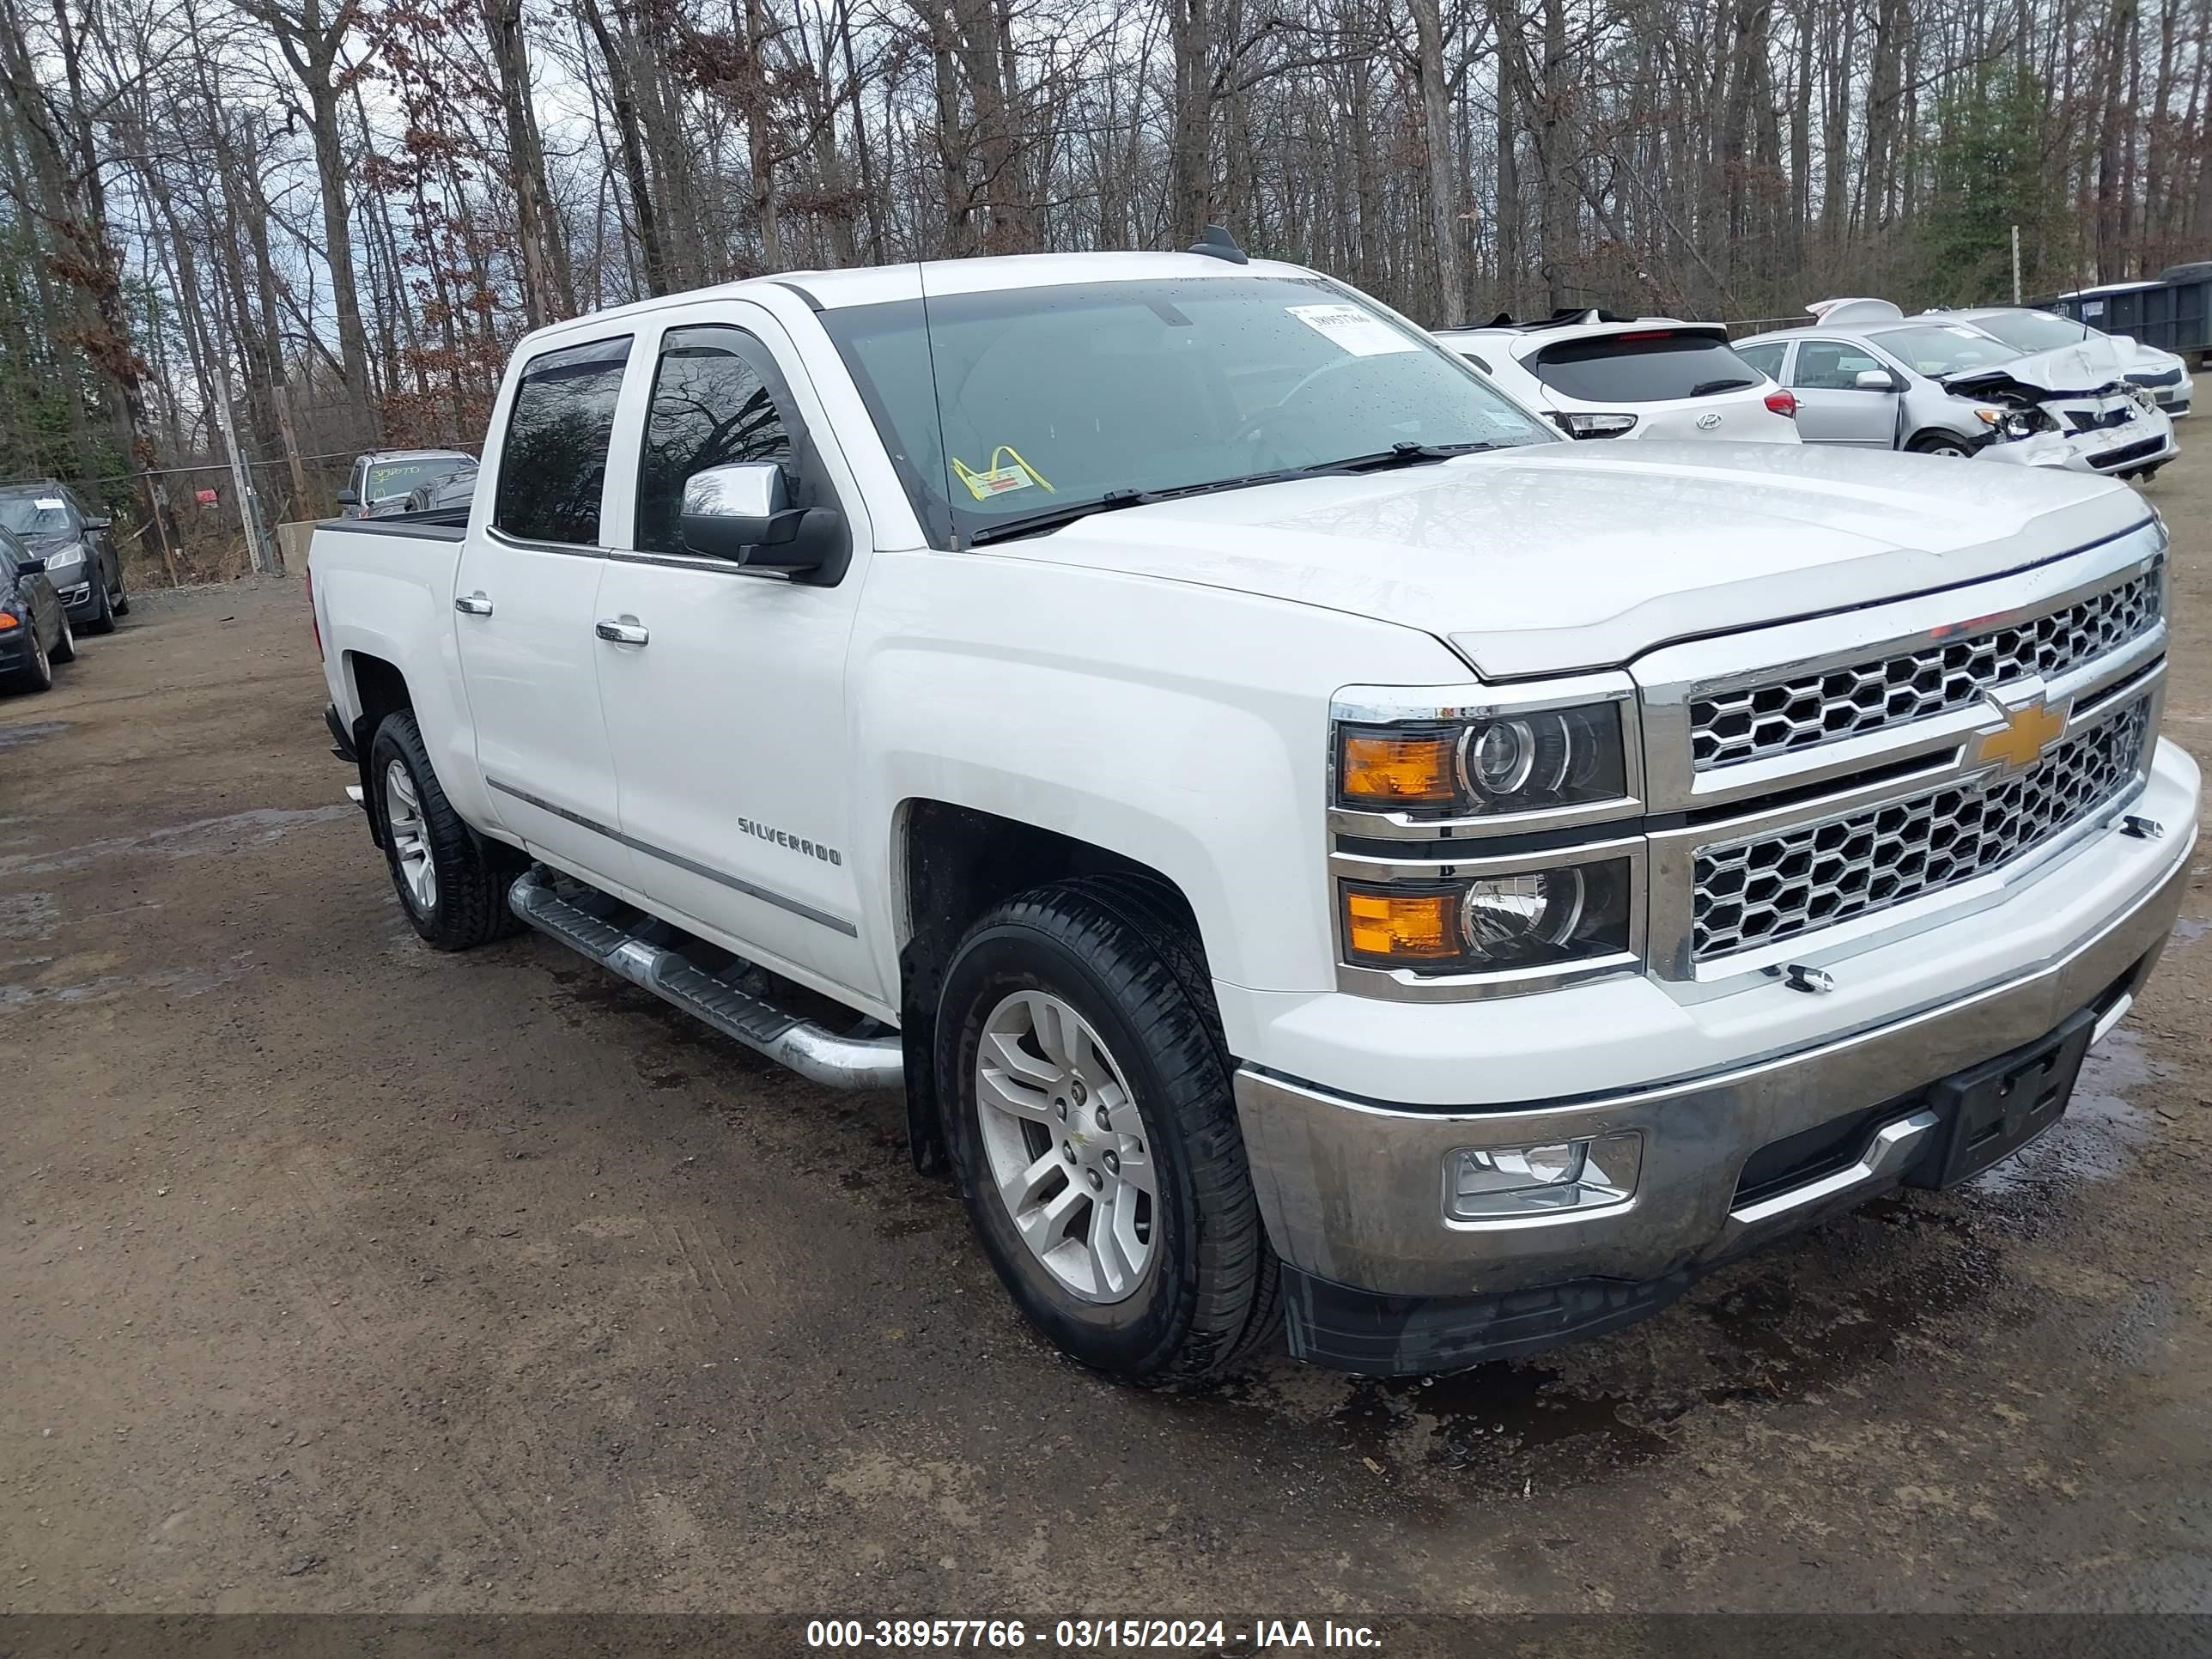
(1487, 1182)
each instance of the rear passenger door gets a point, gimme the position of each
(525, 601)
(1831, 406)
(726, 705)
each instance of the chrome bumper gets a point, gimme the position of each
(1352, 1191)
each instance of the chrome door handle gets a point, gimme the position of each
(622, 630)
(473, 604)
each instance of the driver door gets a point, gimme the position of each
(731, 741)
(1832, 408)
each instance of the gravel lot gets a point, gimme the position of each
(343, 1276)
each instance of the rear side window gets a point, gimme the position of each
(1644, 367)
(1766, 359)
(553, 463)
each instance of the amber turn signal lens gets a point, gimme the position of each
(8, 619)
(1379, 768)
(1395, 926)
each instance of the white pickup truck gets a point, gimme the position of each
(1320, 851)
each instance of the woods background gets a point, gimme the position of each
(346, 210)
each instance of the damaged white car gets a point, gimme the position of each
(1865, 373)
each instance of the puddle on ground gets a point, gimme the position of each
(2188, 930)
(182, 982)
(27, 916)
(223, 834)
(29, 731)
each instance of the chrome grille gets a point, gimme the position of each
(1755, 722)
(1774, 887)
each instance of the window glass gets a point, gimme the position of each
(37, 513)
(555, 461)
(1945, 348)
(389, 480)
(1831, 365)
(1646, 367)
(1766, 359)
(710, 406)
(997, 404)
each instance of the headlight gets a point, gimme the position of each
(67, 558)
(1501, 763)
(1493, 923)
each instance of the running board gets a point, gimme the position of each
(810, 1049)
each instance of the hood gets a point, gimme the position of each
(1560, 558)
(51, 542)
(2087, 366)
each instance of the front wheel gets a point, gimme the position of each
(1096, 1137)
(102, 619)
(451, 882)
(65, 647)
(1937, 443)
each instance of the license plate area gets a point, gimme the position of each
(1991, 1110)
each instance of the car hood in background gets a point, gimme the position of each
(2086, 366)
(1566, 556)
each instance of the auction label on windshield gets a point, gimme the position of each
(1357, 332)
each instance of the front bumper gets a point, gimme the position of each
(78, 598)
(1379, 1280)
(2146, 441)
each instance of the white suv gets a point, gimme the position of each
(1597, 375)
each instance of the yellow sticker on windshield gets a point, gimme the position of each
(996, 479)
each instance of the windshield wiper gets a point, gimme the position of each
(1384, 461)
(1704, 388)
(1405, 454)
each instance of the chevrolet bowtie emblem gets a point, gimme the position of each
(2027, 731)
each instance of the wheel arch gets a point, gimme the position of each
(951, 864)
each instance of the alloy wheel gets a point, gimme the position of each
(1066, 1147)
(411, 839)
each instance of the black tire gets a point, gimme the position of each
(38, 675)
(65, 647)
(470, 905)
(1114, 950)
(102, 620)
(1939, 443)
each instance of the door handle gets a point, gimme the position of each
(473, 604)
(622, 630)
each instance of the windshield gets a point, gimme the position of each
(1060, 396)
(2033, 331)
(36, 515)
(388, 479)
(1650, 365)
(1939, 349)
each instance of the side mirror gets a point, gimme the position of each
(1877, 379)
(346, 498)
(742, 512)
(32, 567)
(98, 524)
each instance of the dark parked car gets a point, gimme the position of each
(383, 479)
(35, 628)
(82, 561)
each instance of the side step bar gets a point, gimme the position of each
(810, 1049)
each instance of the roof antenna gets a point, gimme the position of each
(1218, 244)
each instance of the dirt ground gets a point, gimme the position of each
(340, 1274)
